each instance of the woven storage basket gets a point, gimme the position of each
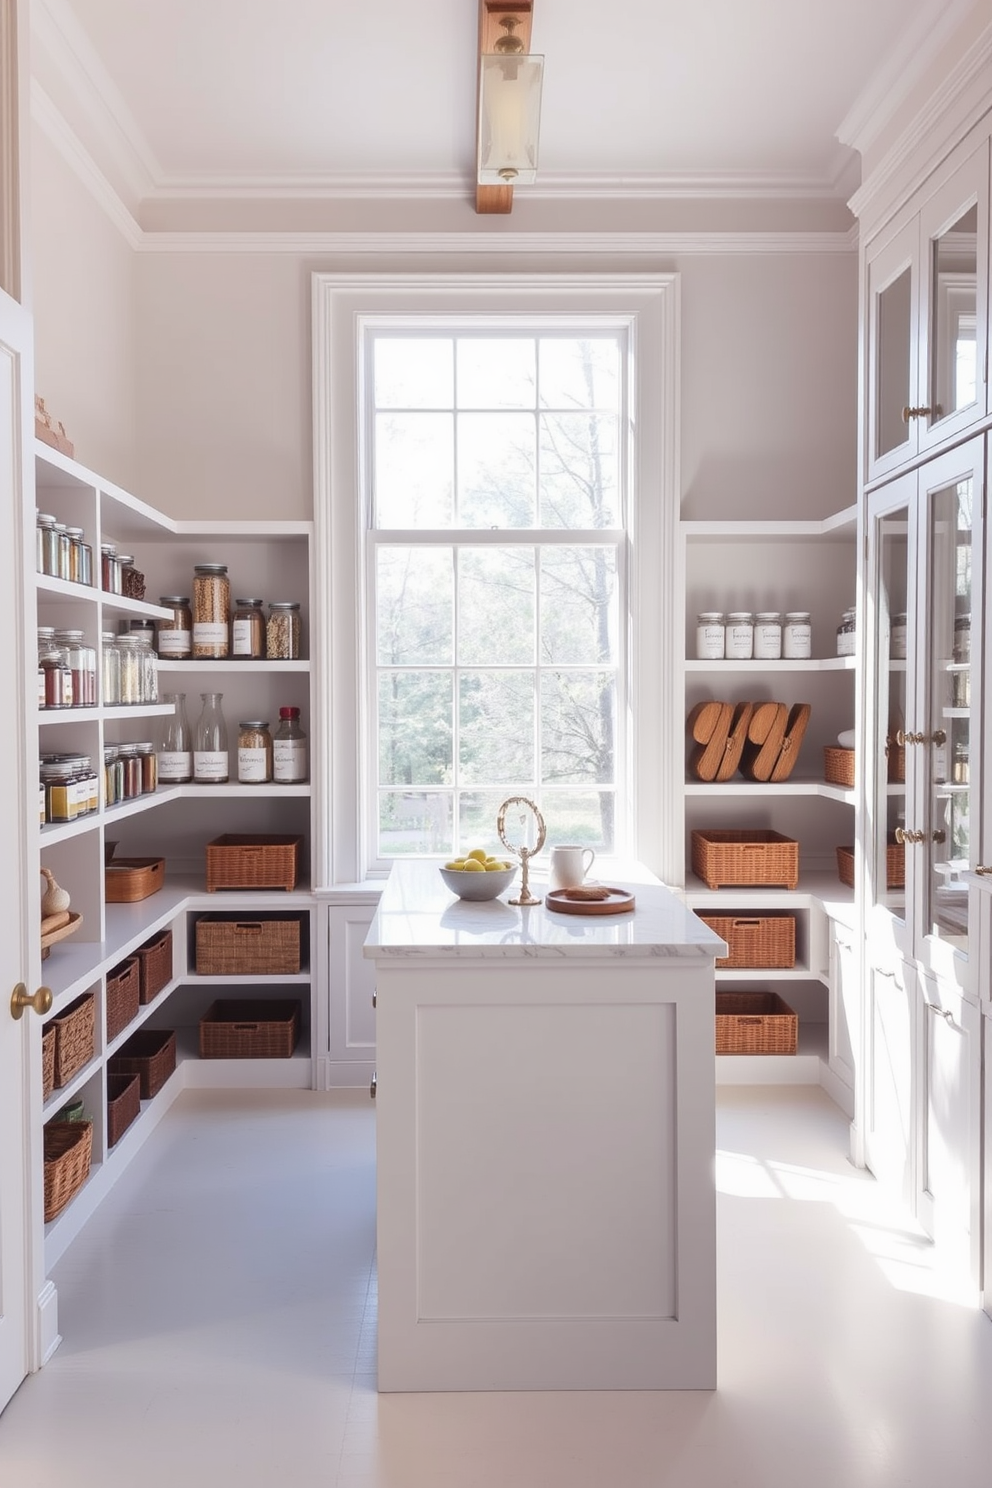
(764, 941)
(247, 947)
(895, 866)
(838, 766)
(123, 1104)
(122, 997)
(128, 880)
(755, 1023)
(75, 1037)
(48, 1037)
(68, 1154)
(151, 1055)
(250, 1030)
(154, 965)
(757, 856)
(262, 861)
(896, 755)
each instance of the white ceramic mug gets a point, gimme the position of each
(569, 866)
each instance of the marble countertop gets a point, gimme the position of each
(418, 916)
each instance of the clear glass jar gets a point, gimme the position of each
(54, 671)
(128, 756)
(739, 639)
(254, 752)
(64, 545)
(111, 789)
(211, 611)
(768, 635)
(289, 749)
(709, 635)
(82, 665)
(148, 760)
(110, 569)
(143, 631)
(48, 545)
(797, 636)
(175, 753)
(110, 669)
(129, 651)
(210, 757)
(248, 629)
(75, 536)
(847, 633)
(962, 638)
(898, 638)
(282, 635)
(132, 582)
(175, 636)
(960, 766)
(61, 798)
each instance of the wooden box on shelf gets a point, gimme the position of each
(150, 1053)
(756, 855)
(123, 999)
(123, 1105)
(755, 1023)
(247, 947)
(75, 1037)
(241, 1029)
(68, 1147)
(756, 941)
(261, 861)
(154, 965)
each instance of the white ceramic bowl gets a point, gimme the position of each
(477, 885)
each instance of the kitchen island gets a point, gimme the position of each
(545, 1141)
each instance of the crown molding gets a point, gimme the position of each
(52, 123)
(622, 244)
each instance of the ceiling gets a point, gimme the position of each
(641, 97)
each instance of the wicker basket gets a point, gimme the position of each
(48, 1037)
(128, 880)
(262, 861)
(755, 856)
(151, 1055)
(895, 866)
(896, 755)
(154, 965)
(122, 997)
(75, 1037)
(250, 1030)
(247, 947)
(838, 766)
(755, 1023)
(68, 1154)
(758, 941)
(123, 1105)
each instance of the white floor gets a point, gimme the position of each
(218, 1315)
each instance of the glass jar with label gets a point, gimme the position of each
(254, 752)
(110, 669)
(898, 638)
(847, 633)
(129, 652)
(174, 641)
(282, 635)
(175, 755)
(75, 536)
(248, 629)
(210, 756)
(54, 671)
(962, 638)
(48, 545)
(797, 636)
(289, 749)
(211, 611)
(709, 635)
(61, 798)
(144, 632)
(739, 639)
(767, 635)
(82, 664)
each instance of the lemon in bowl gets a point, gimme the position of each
(478, 875)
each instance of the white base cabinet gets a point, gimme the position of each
(350, 994)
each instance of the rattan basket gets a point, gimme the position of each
(129, 880)
(48, 1036)
(755, 856)
(838, 766)
(262, 861)
(123, 1104)
(241, 1029)
(895, 866)
(262, 947)
(151, 1055)
(761, 942)
(68, 1153)
(122, 997)
(755, 1023)
(154, 965)
(896, 755)
(75, 1037)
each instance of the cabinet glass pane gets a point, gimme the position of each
(890, 767)
(947, 850)
(954, 347)
(893, 331)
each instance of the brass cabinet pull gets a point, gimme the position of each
(903, 835)
(911, 413)
(20, 999)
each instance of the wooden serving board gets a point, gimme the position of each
(619, 902)
(52, 937)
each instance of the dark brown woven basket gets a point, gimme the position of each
(154, 965)
(151, 1055)
(75, 1037)
(237, 1029)
(755, 1023)
(122, 997)
(123, 1104)
(48, 1036)
(68, 1154)
(838, 766)
(895, 866)
(247, 947)
(754, 856)
(262, 861)
(756, 941)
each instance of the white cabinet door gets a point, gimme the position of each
(351, 989)
(891, 1084)
(892, 300)
(845, 1003)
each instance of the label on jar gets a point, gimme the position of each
(175, 764)
(797, 641)
(709, 641)
(739, 642)
(209, 633)
(241, 636)
(846, 644)
(41, 687)
(67, 688)
(174, 643)
(210, 764)
(42, 803)
(767, 640)
(253, 765)
(289, 760)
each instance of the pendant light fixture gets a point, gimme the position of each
(509, 103)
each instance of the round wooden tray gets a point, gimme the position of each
(53, 936)
(619, 902)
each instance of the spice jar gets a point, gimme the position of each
(768, 635)
(48, 545)
(61, 800)
(254, 752)
(110, 568)
(75, 536)
(709, 635)
(797, 636)
(962, 638)
(129, 651)
(175, 636)
(248, 629)
(54, 671)
(846, 633)
(62, 533)
(959, 768)
(211, 610)
(739, 640)
(282, 638)
(289, 749)
(110, 669)
(82, 667)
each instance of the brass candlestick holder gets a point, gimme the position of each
(523, 853)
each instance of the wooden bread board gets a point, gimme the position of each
(619, 902)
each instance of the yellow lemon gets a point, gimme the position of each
(455, 863)
(479, 854)
(472, 865)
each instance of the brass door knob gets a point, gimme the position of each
(911, 413)
(20, 999)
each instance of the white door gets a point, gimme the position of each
(19, 961)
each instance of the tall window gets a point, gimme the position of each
(495, 468)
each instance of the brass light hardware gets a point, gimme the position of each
(20, 999)
(523, 853)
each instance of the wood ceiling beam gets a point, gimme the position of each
(497, 199)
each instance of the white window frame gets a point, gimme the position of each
(647, 307)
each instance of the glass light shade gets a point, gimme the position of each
(509, 119)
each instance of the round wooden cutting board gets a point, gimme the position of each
(619, 902)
